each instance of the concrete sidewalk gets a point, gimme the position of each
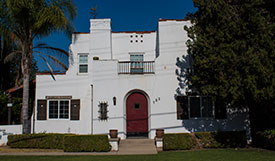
(126, 147)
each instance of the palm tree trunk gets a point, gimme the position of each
(26, 70)
(25, 105)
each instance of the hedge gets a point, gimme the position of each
(182, 141)
(67, 142)
(265, 139)
(86, 143)
(41, 141)
(222, 139)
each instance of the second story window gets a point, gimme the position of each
(136, 63)
(83, 63)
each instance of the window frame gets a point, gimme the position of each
(201, 109)
(137, 65)
(58, 106)
(79, 63)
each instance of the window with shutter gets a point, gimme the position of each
(41, 109)
(75, 109)
(59, 109)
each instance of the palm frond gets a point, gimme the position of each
(11, 56)
(53, 58)
(50, 48)
(51, 71)
(56, 16)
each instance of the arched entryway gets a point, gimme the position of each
(137, 115)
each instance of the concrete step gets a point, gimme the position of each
(137, 146)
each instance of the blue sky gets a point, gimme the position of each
(126, 15)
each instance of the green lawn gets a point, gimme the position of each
(203, 155)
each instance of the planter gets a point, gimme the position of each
(159, 133)
(113, 133)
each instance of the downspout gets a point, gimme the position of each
(92, 95)
(33, 119)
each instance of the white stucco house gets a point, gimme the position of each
(127, 81)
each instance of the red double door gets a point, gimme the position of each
(137, 115)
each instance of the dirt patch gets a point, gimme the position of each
(6, 149)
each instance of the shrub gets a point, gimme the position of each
(86, 143)
(67, 142)
(265, 139)
(222, 139)
(42, 141)
(182, 141)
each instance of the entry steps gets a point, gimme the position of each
(137, 146)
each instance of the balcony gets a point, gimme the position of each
(136, 67)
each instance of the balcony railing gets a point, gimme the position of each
(136, 67)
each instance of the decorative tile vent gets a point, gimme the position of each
(137, 38)
(103, 110)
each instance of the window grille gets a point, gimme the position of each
(103, 110)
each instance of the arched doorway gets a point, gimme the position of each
(137, 115)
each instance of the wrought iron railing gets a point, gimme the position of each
(136, 67)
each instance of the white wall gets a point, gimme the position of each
(12, 129)
(65, 85)
(168, 43)
(6, 130)
(122, 45)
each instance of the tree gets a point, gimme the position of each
(8, 70)
(233, 55)
(27, 20)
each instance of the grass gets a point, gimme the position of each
(202, 155)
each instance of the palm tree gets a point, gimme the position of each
(27, 20)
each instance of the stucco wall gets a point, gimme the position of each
(102, 82)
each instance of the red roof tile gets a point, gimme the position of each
(163, 19)
(137, 32)
(47, 73)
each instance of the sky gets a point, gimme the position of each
(126, 15)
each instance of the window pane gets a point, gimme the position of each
(53, 109)
(83, 68)
(136, 106)
(207, 107)
(64, 110)
(195, 107)
(83, 58)
(136, 57)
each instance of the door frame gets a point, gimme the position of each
(148, 108)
